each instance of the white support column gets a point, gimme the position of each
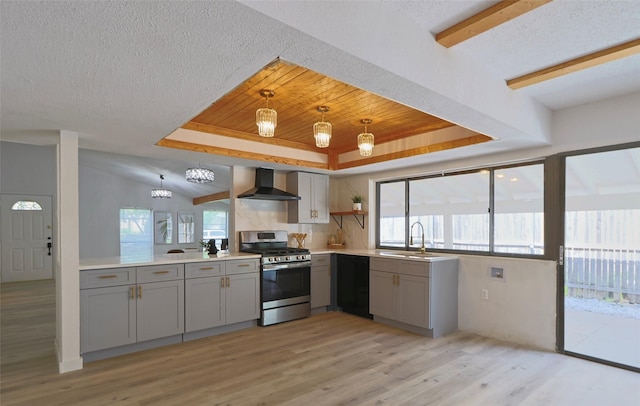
(68, 256)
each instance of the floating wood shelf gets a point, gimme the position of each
(354, 213)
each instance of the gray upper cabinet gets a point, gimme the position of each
(313, 189)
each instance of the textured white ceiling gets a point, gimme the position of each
(124, 74)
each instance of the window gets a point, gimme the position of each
(518, 209)
(26, 205)
(215, 224)
(136, 233)
(498, 210)
(392, 223)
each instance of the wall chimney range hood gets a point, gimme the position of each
(264, 189)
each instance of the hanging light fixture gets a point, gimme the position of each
(365, 139)
(266, 118)
(322, 129)
(200, 175)
(161, 193)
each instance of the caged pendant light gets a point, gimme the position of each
(322, 129)
(161, 192)
(365, 139)
(266, 118)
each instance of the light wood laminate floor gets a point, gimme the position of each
(329, 359)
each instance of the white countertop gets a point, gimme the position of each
(387, 253)
(163, 259)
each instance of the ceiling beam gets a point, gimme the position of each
(485, 20)
(211, 198)
(577, 64)
(234, 153)
(461, 142)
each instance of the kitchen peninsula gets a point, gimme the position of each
(132, 304)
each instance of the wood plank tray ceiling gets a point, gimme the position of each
(228, 127)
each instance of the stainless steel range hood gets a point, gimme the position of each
(264, 189)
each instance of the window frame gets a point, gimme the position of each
(491, 251)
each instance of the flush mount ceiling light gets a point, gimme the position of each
(266, 118)
(199, 175)
(365, 139)
(322, 129)
(161, 193)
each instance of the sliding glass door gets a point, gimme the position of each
(602, 256)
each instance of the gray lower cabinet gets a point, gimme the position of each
(160, 309)
(404, 298)
(421, 296)
(242, 297)
(107, 317)
(231, 296)
(320, 280)
(204, 306)
(116, 311)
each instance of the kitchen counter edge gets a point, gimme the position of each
(163, 259)
(378, 254)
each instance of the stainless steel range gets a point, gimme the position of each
(286, 275)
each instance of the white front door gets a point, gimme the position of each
(26, 234)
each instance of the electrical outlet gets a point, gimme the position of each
(485, 294)
(497, 272)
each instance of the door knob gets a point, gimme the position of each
(49, 246)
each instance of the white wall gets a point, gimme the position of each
(521, 307)
(28, 169)
(103, 194)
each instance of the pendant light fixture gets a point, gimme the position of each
(365, 139)
(266, 118)
(322, 129)
(161, 193)
(199, 175)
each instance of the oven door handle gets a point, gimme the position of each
(288, 265)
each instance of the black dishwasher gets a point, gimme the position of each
(353, 285)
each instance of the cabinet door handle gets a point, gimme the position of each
(133, 294)
(243, 265)
(160, 272)
(228, 282)
(107, 276)
(208, 268)
(139, 292)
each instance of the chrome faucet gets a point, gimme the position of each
(422, 249)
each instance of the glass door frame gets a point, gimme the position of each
(555, 213)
